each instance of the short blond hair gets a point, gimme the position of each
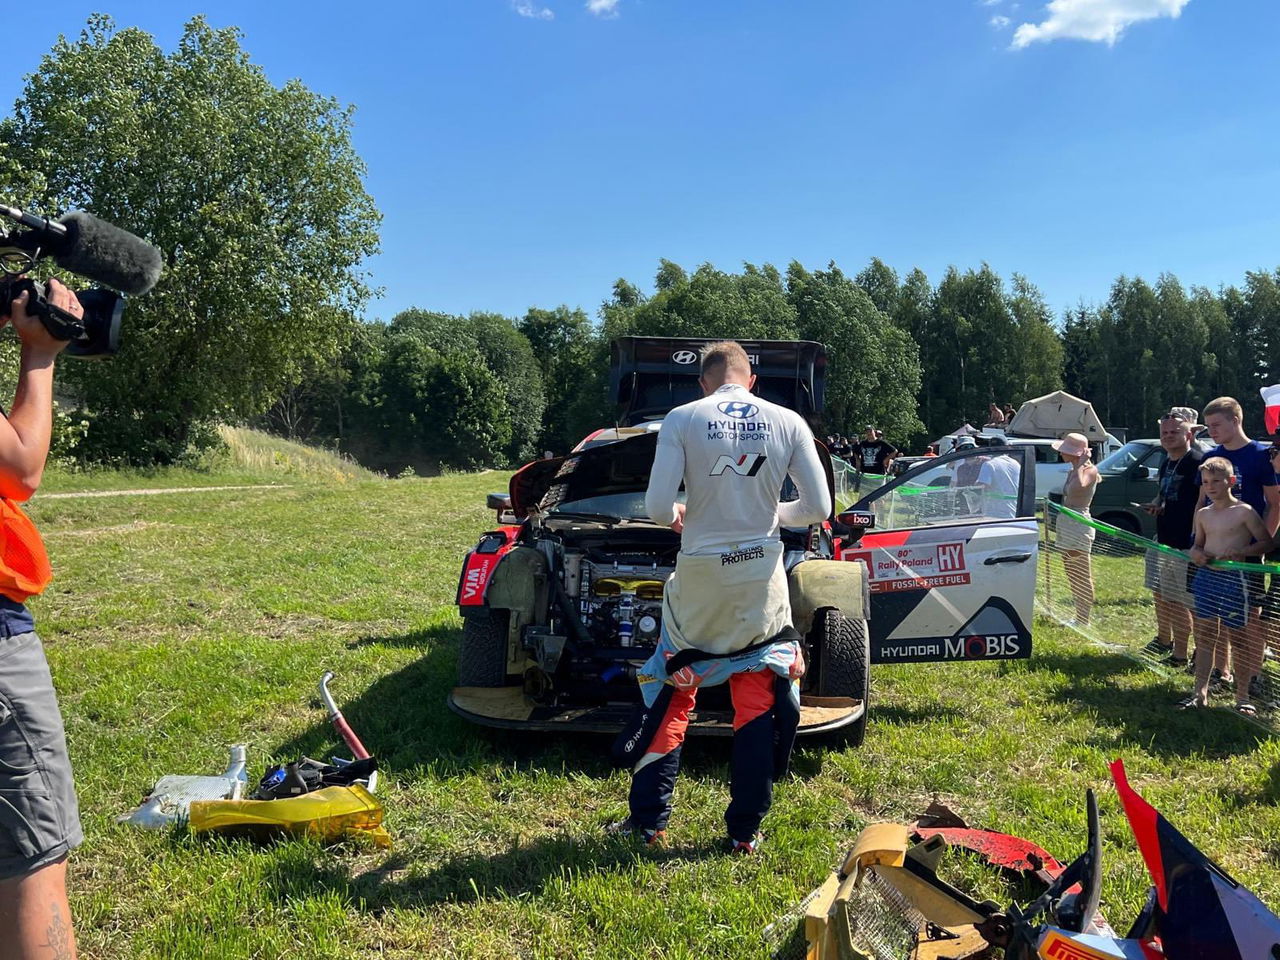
(1228, 405)
(1218, 466)
(719, 358)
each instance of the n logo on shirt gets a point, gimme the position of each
(747, 465)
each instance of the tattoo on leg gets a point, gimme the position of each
(59, 934)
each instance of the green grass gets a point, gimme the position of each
(247, 457)
(181, 623)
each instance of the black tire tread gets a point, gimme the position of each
(844, 666)
(482, 655)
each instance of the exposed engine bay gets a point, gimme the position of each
(618, 601)
(605, 617)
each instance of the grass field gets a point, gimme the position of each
(181, 623)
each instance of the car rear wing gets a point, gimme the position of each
(649, 376)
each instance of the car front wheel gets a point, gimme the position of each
(844, 656)
(482, 657)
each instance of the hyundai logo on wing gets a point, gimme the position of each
(738, 410)
(684, 356)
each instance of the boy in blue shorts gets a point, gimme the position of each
(1227, 529)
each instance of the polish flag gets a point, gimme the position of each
(1271, 400)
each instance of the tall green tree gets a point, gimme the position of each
(563, 342)
(1036, 367)
(253, 192)
(873, 367)
(914, 316)
(491, 341)
(709, 303)
(974, 359)
(440, 409)
(880, 283)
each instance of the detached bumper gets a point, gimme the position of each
(509, 708)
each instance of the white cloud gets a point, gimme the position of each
(990, 3)
(1000, 22)
(526, 8)
(1096, 20)
(603, 8)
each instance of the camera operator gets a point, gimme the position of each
(39, 817)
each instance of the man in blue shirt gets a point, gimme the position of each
(1256, 486)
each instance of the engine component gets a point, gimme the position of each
(626, 629)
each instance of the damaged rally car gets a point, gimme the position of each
(562, 602)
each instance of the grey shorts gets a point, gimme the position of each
(39, 816)
(1169, 575)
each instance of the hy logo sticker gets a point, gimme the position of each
(738, 410)
(747, 465)
(684, 356)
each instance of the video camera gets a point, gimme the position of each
(84, 245)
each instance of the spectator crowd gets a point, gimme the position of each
(1213, 511)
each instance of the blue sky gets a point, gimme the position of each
(530, 152)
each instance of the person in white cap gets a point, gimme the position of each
(1075, 538)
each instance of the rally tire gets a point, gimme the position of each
(482, 655)
(844, 661)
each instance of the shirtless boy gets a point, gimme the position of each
(1227, 529)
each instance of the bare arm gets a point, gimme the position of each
(1090, 478)
(1272, 517)
(24, 434)
(1197, 551)
(1262, 542)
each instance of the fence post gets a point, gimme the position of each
(1044, 552)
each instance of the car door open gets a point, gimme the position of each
(951, 558)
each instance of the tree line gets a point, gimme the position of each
(915, 358)
(256, 195)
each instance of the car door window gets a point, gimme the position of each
(964, 487)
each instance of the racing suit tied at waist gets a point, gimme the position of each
(724, 602)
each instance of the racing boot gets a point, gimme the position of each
(650, 836)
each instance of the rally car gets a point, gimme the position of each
(562, 601)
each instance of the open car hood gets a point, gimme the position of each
(621, 467)
(649, 376)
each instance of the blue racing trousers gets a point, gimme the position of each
(765, 718)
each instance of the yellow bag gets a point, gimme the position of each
(332, 813)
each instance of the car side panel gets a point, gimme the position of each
(479, 565)
(962, 592)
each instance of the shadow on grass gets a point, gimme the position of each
(523, 871)
(904, 715)
(1147, 714)
(1267, 794)
(404, 720)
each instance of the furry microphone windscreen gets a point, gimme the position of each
(106, 254)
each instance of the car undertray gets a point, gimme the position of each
(509, 707)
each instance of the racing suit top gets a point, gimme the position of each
(734, 450)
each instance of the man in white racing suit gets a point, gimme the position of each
(726, 608)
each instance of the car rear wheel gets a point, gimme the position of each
(482, 657)
(844, 656)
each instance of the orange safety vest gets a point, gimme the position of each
(24, 564)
